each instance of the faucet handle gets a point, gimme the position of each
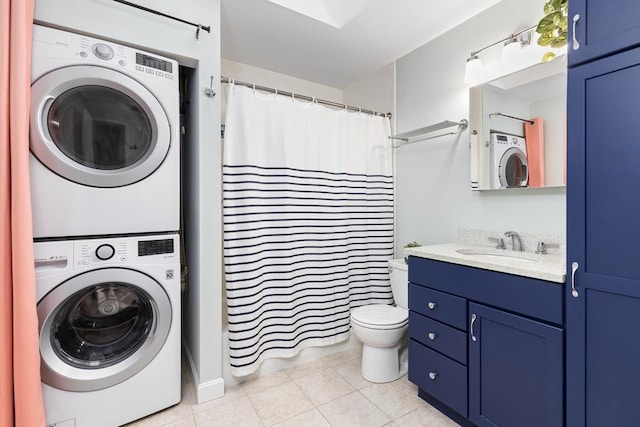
(542, 247)
(499, 242)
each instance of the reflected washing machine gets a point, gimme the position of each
(109, 324)
(104, 138)
(509, 167)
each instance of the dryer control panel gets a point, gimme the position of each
(55, 44)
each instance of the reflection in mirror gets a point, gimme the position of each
(518, 129)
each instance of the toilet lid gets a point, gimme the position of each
(380, 315)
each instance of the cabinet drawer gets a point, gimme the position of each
(441, 377)
(438, 336)
(446, 308)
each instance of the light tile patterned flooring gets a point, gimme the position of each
(325, 392)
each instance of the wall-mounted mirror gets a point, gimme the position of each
(518, 129)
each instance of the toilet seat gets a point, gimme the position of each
(380, 316)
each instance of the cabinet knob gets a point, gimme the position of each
(432, 305)
(432, 336)
(433, 375)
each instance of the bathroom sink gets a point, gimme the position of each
(498, 255)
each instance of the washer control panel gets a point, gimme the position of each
(93, 252)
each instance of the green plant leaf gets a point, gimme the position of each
(545, 39)
(548, 8)
(546, 24)
(559, 41)
(556, 4)
(549, 56)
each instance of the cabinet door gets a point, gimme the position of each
(602, 27)
(603, 240)
(515, 370)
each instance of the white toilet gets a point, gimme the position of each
(382, 330)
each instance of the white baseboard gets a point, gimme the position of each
(204, 391)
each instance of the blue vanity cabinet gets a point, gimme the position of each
(515, 370)
(486, 347)
(602, 27)
(603, 242)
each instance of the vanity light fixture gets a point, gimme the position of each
(512, 55)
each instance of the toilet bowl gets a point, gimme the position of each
(382, 330)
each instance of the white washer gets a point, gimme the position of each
(109, 323)
(509, 166)
(104, 138)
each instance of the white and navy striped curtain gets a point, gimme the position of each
(308, 222)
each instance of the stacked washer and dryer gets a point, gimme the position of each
(105, 177)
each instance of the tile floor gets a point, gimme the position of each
(325, 392)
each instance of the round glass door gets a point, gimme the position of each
(513, 170)
(97, 127)
(99, 328)
(101, 325)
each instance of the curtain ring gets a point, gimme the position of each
(198, 31)
(254, 87)
(276, 91)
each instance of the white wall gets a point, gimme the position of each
(432, 179)
(376, 92)
(126, 25)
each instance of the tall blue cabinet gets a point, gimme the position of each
(603, 214)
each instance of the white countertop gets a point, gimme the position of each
(550, 267)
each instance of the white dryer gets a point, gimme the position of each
(109, 323)
(104, 137)
(509, 166)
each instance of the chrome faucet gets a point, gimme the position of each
(515, 238)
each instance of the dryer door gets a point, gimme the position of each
(513, 170)
(97, 127)
(101, 327)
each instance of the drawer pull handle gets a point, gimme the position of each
(576, 45)
(432, 305)
(432, 336)
(574, 269)
(433, 375)
(473, 321)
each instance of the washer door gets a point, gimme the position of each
(513, 170)
(100, 328)
(97, 127)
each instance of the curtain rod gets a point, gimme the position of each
(497, 113)
(206, 28)
(303, 97)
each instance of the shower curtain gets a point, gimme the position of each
(308, 222)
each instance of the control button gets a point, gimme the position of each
(139, 68)
(169, 76)
(149, 70)
(159, 73)
(83, 54)
(122, 62)
(105, 252)
(123, 258)
(85, 261)
(102, 51)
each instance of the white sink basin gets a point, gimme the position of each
(498, 255)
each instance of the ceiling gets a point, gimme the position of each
(335, 42)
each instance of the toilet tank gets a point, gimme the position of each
(399, 277)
